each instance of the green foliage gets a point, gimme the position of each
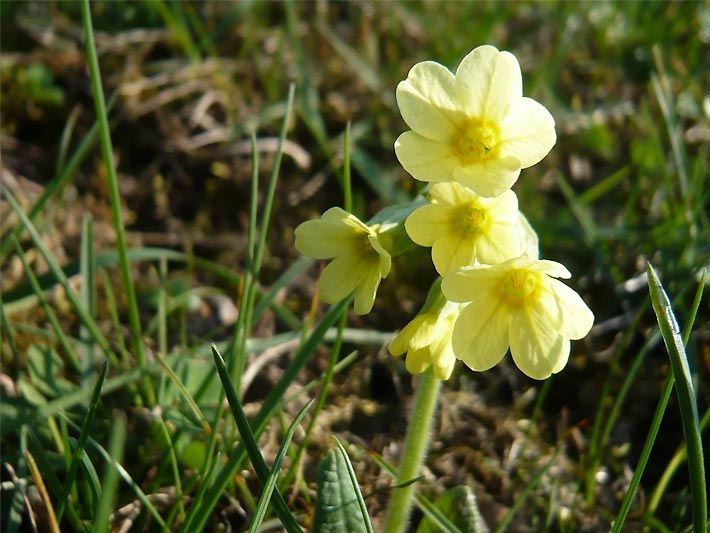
(460, 507)
(686, 397)
(339, 506)
(627, 181)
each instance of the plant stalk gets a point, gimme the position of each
(416, 444)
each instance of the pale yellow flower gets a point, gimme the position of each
(427, 340)
(462, 227)
(474, 127)
(516, 304)
(360, 260)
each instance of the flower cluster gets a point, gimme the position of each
(471, 134)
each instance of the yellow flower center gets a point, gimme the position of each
(471, 219)
(364, 248)
(476, 141)
(519, 286)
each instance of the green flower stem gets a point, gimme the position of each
(416, 444)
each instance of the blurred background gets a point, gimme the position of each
(187, 82)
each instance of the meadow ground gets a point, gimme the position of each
(186, 83)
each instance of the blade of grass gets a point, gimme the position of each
(123, 473)
(87, 292)
(270, 484)
(197, 515)
(335, 351)
(172, 456)
(81, 443)
(114, 197)
(110, 484)
(595, 446)
(65, 139)
(267, 299)
(110, 299)
(520, 499)
(425, 505)
(7, 332)
(57, 183)
(44, 495)
(657, 418)
(686, 397)
(51, 479)
(237, 355)
(83, 314)
(250, 443)
(51, 316)
(676, 461)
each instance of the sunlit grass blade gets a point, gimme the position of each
(250, 444)
(686, 397)
(110, 484)
(81, 442)
(44, 495)
(114, 197)
(237, 354)
(197, 516)
(657, 418)
(274, 473)
(50, 478)
(86, 319)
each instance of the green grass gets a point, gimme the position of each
(138, 231)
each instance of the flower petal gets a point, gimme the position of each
(428, 223)
(551, 268)
(470, 284)
(366, 291)
(424, 159)
(528, 238)
(536, 345)
(577, 318)
(384, 259)
(451, 193)
(500, 243)
(528, 132)
(400, 343)
(323, 239)
(341, 277)
(444, 363)
(418, 360)
(427, 101)
(562, 361)
(488, 82)
(451, 252)
(480, 337)
(489, 178)
(336, 214)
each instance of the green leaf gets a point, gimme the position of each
(460, 507)
(686, 396)
(270, 484)
(251, 445)
(340, 506)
